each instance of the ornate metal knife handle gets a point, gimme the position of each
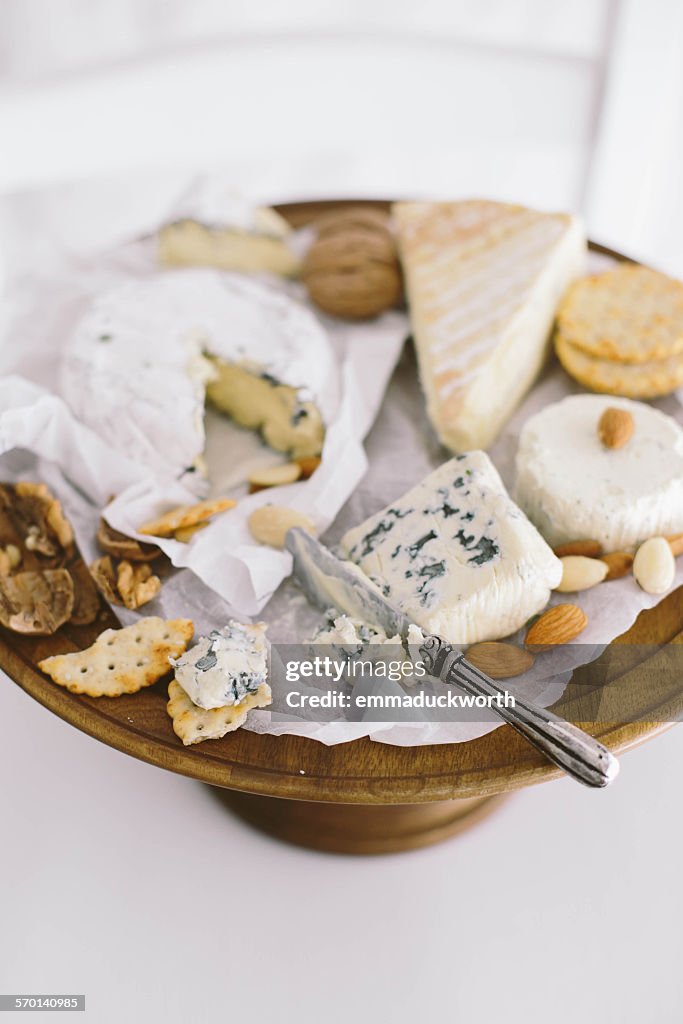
(567, 746)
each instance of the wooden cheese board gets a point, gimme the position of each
(363, 796)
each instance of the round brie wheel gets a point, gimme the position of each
(574, 488)
(139, 361)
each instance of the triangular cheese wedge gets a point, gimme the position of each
(483, 281)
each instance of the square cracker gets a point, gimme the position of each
(185, 515)
(122, 660)
(192, 724)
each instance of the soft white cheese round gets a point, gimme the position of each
(573, 488)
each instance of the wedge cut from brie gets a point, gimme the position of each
(216, 228)
(457, 555)
(188, 243)
(139, 363)
(483, 281)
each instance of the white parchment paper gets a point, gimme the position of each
(223, 573)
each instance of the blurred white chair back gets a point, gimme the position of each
(309, 97)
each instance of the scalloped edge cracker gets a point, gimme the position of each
(122, 660)
(632, 380)
(192, 724)
(185, 515)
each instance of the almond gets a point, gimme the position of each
(500, 661)
(654, 566)
(274, 476)
(558, 625)
(615, 427)
(675, 541)
(270, 523)
(589, 548)
(308, 465)
(580, 573)
(618, 564)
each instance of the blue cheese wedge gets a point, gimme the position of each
(457, 555)
(574, 488)
(225, 667)
(145, 354)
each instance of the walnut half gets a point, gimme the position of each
(37, 517)
(36, 603)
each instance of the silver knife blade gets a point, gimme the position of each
(330, 582)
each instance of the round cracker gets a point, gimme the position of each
(186, 515)
(647, 380)
(631, 314)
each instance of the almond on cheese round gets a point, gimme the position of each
(572, 487)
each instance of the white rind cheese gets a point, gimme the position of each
(136, 370)
(573, 488)
(223, 668)
(457, 555)
(213, 227)
(483, 281)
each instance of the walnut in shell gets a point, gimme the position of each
(37, 517)
(352, 270)
(87, 601)
(36, 603)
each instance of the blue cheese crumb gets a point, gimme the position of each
(221, 669)
(350, 637)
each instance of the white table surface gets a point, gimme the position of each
(135, 886)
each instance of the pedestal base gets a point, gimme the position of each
(359, 828)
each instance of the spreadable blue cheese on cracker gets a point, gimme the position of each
(457, 555)
(223, 668)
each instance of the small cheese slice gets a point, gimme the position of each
(215, 227)
(457, 555)
(188, 243)
(483, 281)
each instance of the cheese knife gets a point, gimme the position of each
(330, 582)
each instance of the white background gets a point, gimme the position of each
(133, 885)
